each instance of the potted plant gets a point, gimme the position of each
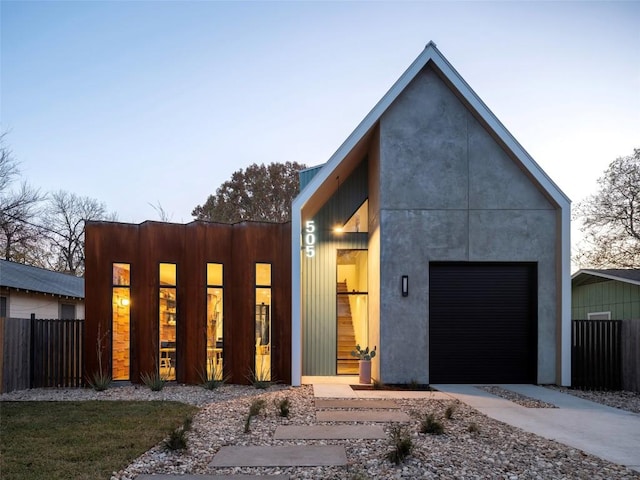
(364, 357)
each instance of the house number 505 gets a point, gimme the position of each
(310, 238)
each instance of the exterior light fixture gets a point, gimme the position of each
(338, 229)
(124, 302)
(405, 285)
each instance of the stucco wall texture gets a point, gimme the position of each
(449, 192)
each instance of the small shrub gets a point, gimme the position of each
(284, 406)
(448, 413)
(213, 377)
(254, 409)
(260, 378)
(429, 424)
(178, 438)
(401, 444)
(473, 427)
(153, 380)
(99, 381)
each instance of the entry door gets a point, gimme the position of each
(352, 311)
(482, 322)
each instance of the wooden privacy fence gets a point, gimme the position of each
(596, 354)
(40, 353)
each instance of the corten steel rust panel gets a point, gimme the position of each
(159, 243)
(238, 328)
(192, 285)
(105, 243)
(217, 249)
(259, 243)
(282, 293)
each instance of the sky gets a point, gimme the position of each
(143, 103)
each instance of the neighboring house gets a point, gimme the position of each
(430, 234)
(27, 291)
(609, 294)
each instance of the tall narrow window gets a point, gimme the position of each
(262, 370)
(120, 322)
(167, 320)
(215, 290)
(351, 308)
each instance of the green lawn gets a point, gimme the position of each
(81, 440)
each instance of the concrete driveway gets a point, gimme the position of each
(606, 432)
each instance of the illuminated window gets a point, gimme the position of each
(167, 319)
(263, 322)
(215, 313)
(359, 221)
(120, 321)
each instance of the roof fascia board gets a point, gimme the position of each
(607, 276)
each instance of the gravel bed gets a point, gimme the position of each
(624, 400)
(495, 451)
(516, 397)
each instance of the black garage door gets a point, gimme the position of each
(482, 322)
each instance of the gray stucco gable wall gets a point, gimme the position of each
(450, 192)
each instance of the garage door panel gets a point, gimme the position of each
(482, 319)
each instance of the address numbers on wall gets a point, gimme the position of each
(310, 238)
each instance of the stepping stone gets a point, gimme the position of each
(288, 456)
(323, 390)
(167, 476)
(351, 403)
(364, 416)
(328, 432)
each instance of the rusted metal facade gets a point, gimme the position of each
(190, 247)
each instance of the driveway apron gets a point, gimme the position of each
(606, 432)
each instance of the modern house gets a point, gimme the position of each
(430, 234)
(463, 251)
(27, 291)
(609, 294)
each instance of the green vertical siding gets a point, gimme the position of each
(620, 298)
(319, 273)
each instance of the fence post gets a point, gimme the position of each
(33, 350)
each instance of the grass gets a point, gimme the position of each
(81, 440)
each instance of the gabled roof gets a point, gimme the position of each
(585, 277)
(34, 279)
(430, 55)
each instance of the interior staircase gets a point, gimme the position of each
(347, 365)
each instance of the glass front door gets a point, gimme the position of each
(351, 308)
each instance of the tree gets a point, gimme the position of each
(261, 193)
(64, 219)
(19, 234)
(611, 218)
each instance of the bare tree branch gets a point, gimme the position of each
(611, 218)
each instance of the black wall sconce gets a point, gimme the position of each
(405, 285)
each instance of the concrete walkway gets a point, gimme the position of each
(606, 432)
